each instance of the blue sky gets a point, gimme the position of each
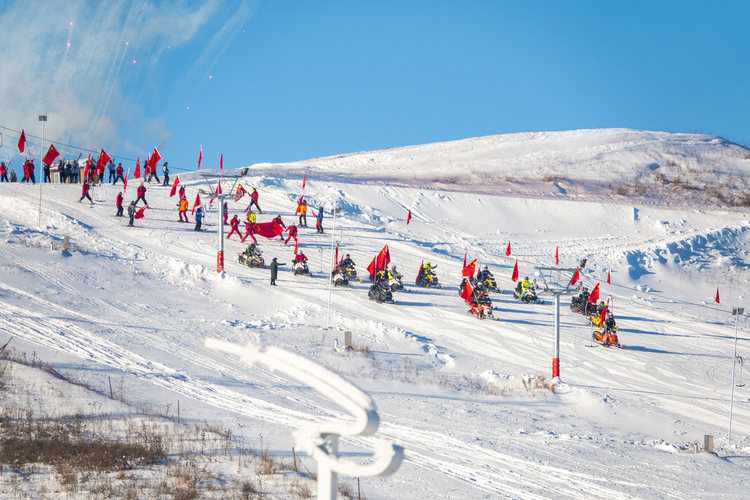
(275, 81)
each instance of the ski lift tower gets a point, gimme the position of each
(556, 281)
(233, 177)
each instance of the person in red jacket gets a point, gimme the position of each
(141, 192)
(249, 232)
(118, 174)
(3, 172)
(226, 213)
(254, 201)
(235, 224)
(118, 204)
(85, 191)
(181, 192)
(292, 234)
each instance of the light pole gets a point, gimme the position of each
(43, 119)
(736, 313)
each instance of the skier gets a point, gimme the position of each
(198, 218)
(141, 192)
(183, 209)
(254, 201)
(302, 213)
(118, 204)
(235, 224)
(292, 234)
(131, 212)
(3, 172)
(319, 225)
(85, 190)
(165, 169)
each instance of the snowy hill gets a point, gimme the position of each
(136, 304)
(594, 164)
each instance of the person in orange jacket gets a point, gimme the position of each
(183, 209)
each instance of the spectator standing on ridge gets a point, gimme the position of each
(3, 172)
(302, 213)
(254, 201)
(45, 171)
(165, 169)
(112, 170)
(118, 174)
(13, 177)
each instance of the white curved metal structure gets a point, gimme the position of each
(321, 441)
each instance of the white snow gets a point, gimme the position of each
(137, 304)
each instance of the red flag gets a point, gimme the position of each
(469, 270)
(336, 257)
(139, 213)
(507, 251)
(296, 245)
(384, 258)
(240, 192)
(137, 174)
(200, 157)
(221, 162)
(575, 278)
(51, 155)
(296, 212)
(514, 276)
(22, 141)
(408, 218)
(608, 270)
(603, 314)
(557, 257)
(304, 178)
(103, 160)
(86, 170)
(594, 294)
(125, 181)
(174, 186)
(197, 202)
(717, 296)
(155, 157)
(416, 282)
(464, 259)
(468, 290)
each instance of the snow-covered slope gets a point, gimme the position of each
(659, 166)
(136, 304)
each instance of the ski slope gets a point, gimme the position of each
(136, 304)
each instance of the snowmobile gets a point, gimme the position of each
(580, 304)
(528, 296)
(300, 267)
(381, 292)
(487, 280)
(475, 284)
(481, 306)
(254, 260)
(428, 279)
(607, 338)
(338, 277)
(349, 272)
(394, 281)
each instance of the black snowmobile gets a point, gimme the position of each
(427, 279)
(251, 257)
(300, 267)
(476, 285)
(394, 281)
(580, 303)
(339, 278)
(487, 280)
(381, 292)
(528, 296)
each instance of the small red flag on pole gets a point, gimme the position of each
(197, 202)
(304, 178)
(336, 257)
(22, 141)
(408, 218)
(221, 162)
(137, 173)
(594, 294)
(468, 291)
(717, 296)
(464, 259)
(296, 246)
(575, 278)
(514, 276)
(507, 251)
(125, 181)
(470, 269)
(200, 157)
(557, 257)
(608, 270)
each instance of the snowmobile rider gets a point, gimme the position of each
(347, 263)
(609, 324)
(525, 285)
(380, 277)
(484, 274)
(428, 267)
(250, 250)
(300, 257)
(394, 274)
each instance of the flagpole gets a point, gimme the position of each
(43, 119)
(330, 281)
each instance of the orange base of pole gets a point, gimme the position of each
(220, 262)
(555, 367)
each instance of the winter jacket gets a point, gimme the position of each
(183, 205)
(118, 202)
(141, 191)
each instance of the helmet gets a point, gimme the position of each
(601, 303)
(609, 314)
(428, 263)
(347, 256)
(526, 278)
(393, 267)
(485, 268)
